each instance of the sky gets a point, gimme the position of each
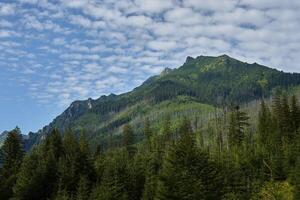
(53, 52)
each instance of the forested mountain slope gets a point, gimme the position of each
(197, 88)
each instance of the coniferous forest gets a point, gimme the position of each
(149, 100)
(246, 159)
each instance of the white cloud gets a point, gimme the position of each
(7, 9)
(59, 41)
(80, 20)
(74, 3)
(139, 21)
(211, 5)
(85, 48)
(7, 33)
(185, 16)
(117, 70)
(5, 23)
(268, 4)
(242, 16)
(92, 67)
(154, 6)
(162, 45)
(29, 1)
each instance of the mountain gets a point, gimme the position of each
(196, 89)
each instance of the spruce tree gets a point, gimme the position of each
(38, 174)
(114, 177)
(83, 188)
(278, 114)
(151, 175)
(187, 171)
(62, 195)
(98, 151)
(237, 126)
(286, 122)
(147, 134)
(31, 179)
(166, 129)
(264, 124)
(85, 159)
(69, 166)
(128, 139)
(295, 114)
(12, 155)
(296, 179)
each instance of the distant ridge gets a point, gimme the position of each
(200, 84)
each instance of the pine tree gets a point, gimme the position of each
(31, 178)
(147, 134)
(83, 188)
(295, 171)
(128, 139)
(98, 151)
(237, 126)
(295, 114)
(85, 159)
(151, 175)
(166, 129)
(62, 195)
(277, 108)
(70, 165)
(53, 143)
(12, 155)
(38, 174)
(286, 122)
(114, 178)
(264, 124)
(187, 172)
(296, 180)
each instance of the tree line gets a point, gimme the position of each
(175, 164)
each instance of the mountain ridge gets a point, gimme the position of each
(201, 81)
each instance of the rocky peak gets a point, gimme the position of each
(166, 71)
(189, 59)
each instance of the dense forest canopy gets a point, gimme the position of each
(234, 157)
(215, 128)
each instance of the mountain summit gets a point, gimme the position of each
(200, 84)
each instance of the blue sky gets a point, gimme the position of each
(53, 52)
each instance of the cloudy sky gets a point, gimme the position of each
(53, 52)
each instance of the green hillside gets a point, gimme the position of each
(197, 88)
(164, 140)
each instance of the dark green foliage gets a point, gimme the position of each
(115, 175)
(237, 126)
(69, 165)
(217, 81)
(177, 159)
(128, 139)
(166, 129)
(296, 176)
(295, 114)
(265, 125)
(286, 122)
(187, 172)
(153, 165)
(11, 155)
(83, 190)
(38, 174)
(147, 133)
